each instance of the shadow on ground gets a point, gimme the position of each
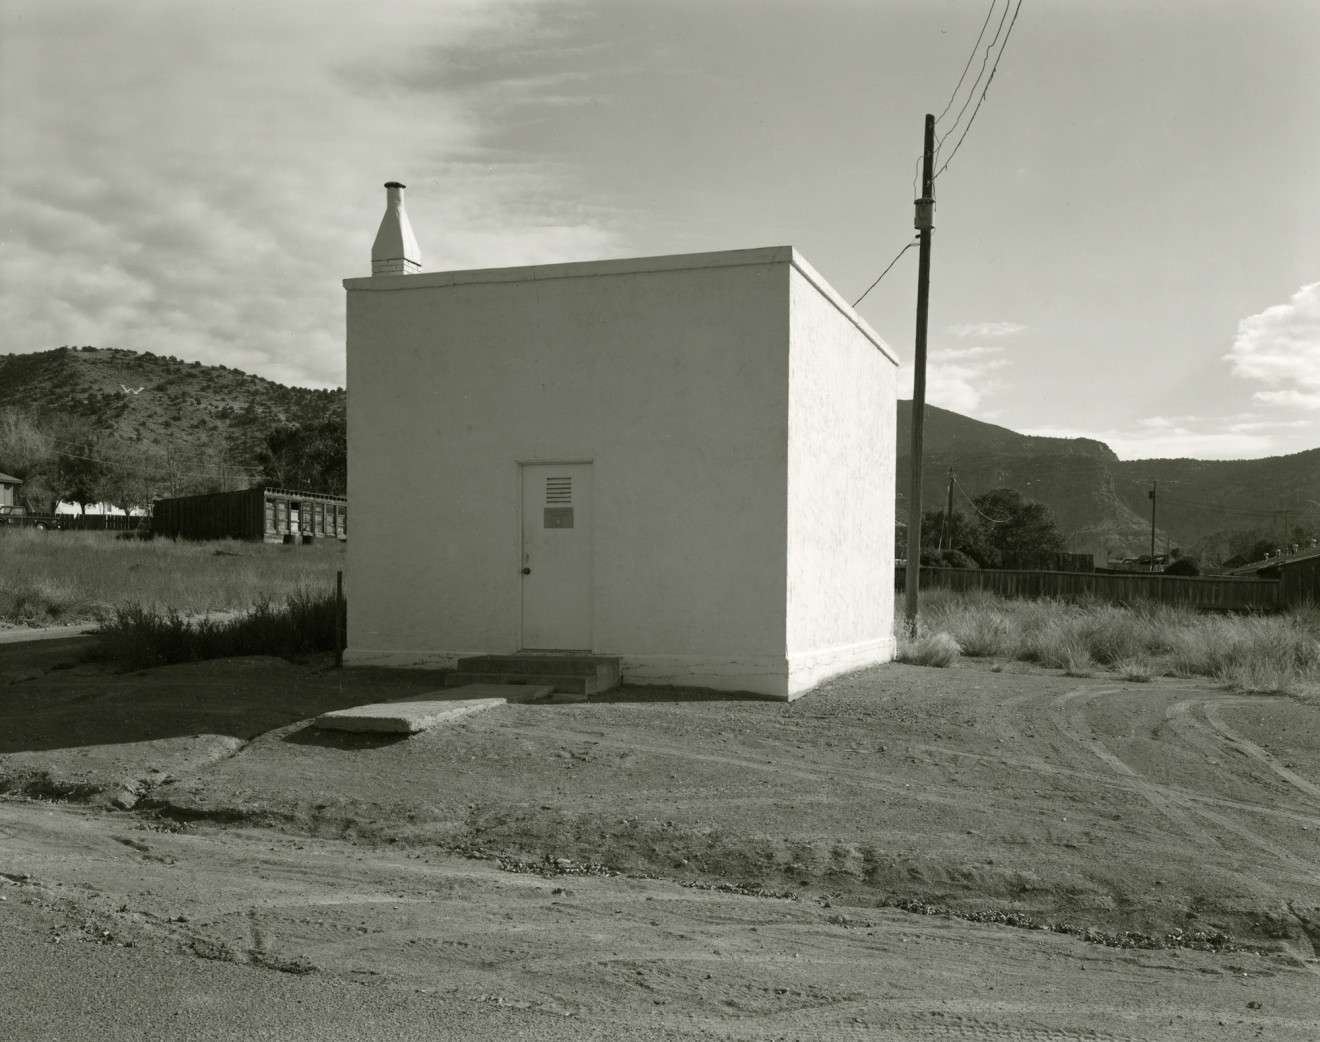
(51, 698)
(659, 695)
(349, 741)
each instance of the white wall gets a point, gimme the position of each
(842, 430)
(672, 382)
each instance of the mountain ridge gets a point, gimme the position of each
(1101, 503)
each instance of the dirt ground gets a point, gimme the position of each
(906, 853)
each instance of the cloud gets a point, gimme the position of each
(1291, 398)
(1167, 423)
(182, 179)
(1245, 425)
(987, 329)
(959, 378)
(1280, 347)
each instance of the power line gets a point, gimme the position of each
(916, 165)
(885, 272)
(979, 73)
(972, 502)
(1251, 511)
(144, 469)
(970, 57)
(984, 92)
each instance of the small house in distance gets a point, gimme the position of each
(8, 487)
(684, 462)
(273, 515)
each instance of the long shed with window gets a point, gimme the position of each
(273, 515)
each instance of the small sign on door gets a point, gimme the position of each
(558, 517)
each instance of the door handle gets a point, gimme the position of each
(527, 571)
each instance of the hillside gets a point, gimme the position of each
(950, 433)
(167, 416)
(1210, 498)
(1100, 502)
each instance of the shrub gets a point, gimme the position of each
(1250, 653)
(930, 649)
(983, 634)
(1137, 671)
(138, 637)
(1183, 566)
(41, 600)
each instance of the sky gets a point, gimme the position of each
(1127, 233)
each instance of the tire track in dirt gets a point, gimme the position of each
(1206, 737)
(1210, 737)
(776, 767)
(919, 1023)
(1068, 717)
(1044, 767)
(1170, 802)
(1211, 711)
(1190, 730)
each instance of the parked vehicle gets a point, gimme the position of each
(20, 517)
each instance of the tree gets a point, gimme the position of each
(1015, 530)
(964, 533)
(1183, 566)
(80, 471)
(27, 451)
(311, 456)
(125, 479)
(1004, 529)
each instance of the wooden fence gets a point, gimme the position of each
(1209, 593)
(99, 522)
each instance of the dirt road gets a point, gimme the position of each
(555, 871)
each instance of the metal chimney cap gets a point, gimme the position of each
(394, 184)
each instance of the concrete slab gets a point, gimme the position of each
(403, 717)
(422, 712)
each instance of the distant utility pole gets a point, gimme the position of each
(924, 224)
(1153, 486)
(948, 514)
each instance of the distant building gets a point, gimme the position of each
(1296, 568)
(683, 462)
(273, 515)
(8, 489)
(1301, 577)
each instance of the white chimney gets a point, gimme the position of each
(395, 250)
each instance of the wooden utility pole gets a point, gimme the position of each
(339, 619)
(925, 225)
(1153, 486)
(948, 514)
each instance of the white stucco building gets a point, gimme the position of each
(684, 461)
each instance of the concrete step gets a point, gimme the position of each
(604, 671)
(561, 682)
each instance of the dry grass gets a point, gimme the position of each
(1250, 653)
(1136, 671)
(141, 638)
(928, 649)
(48, 578)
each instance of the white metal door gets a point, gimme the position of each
(556, 557)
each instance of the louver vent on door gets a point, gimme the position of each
(559, 490)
